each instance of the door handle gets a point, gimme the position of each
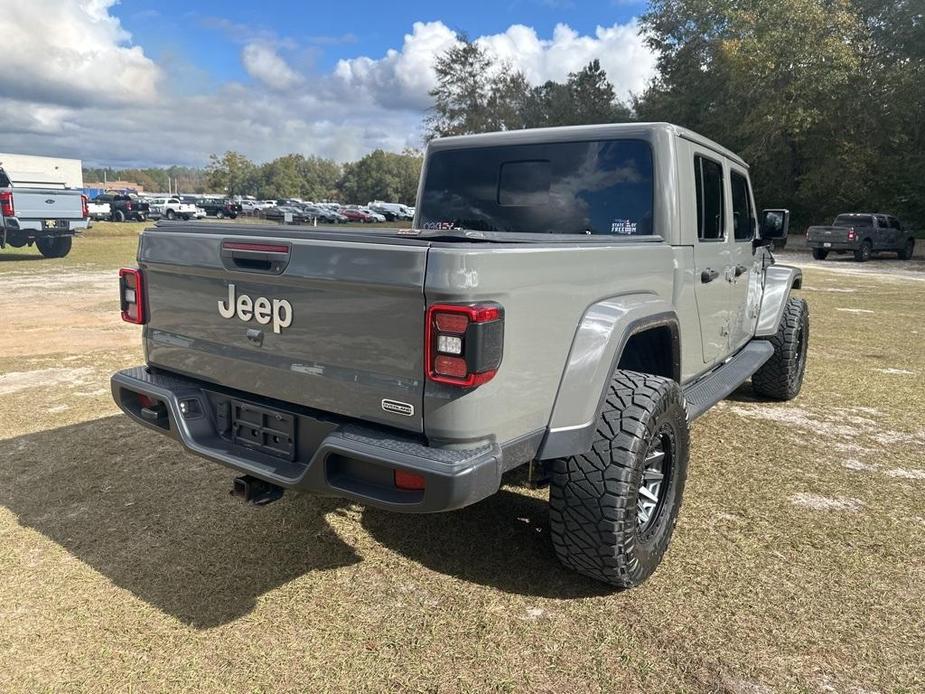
(741, 270)
(708, 275)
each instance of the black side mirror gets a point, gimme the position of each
(774, 225)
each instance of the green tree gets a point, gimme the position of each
(382, 175)
(820, 96)
(232, 173)
(463, 90)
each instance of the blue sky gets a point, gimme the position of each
(161, 82)
(209, 36)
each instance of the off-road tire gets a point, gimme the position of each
(118, 216)
(907, 251)
(862, 255)
(593, 515)
(781, 376)
(820, 253)
(54, 247)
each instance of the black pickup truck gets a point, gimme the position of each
(862, 234)
(215, 207)
(124, 207)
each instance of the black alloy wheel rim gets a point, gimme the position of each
(656, 477)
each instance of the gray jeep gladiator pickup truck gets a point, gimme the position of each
(567, 299)
(862, 234)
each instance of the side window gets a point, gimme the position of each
(742, 212)
(895, 223)
(882, 222)
(708, 180)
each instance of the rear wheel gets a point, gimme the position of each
(219, 215)
(908, 250)
(118, 216)
(781, 377)
(820, 253)
(54, 247)
(612, 510)
(171, 214)
(862, 255)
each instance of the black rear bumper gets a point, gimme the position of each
(330, 456)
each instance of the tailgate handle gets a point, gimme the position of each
(255, 256)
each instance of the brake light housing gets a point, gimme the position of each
(852, 234)
(132, 296)
(84, 206)
(7, 208)
(464, 343)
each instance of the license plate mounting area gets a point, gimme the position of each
(262, 429)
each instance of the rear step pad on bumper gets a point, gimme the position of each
(720, 383)
(350, 460)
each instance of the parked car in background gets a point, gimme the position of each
(216, 207)
(862, 234)
(171, 208)
(125, 207)
(324, 214)
(289, 214)
(46, 216)
(354, 214)
(99, 210)
(391, 210)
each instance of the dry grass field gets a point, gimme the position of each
(798, 563)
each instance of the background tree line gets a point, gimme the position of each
(379, 175)
(824, 98)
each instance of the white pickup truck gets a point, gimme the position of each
(45, 214)
(172, 208)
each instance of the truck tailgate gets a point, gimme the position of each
(40, 203)
(828, 234)
(352, 336)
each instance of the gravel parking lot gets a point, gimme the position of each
(124, 564)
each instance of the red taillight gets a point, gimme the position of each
(7, 209)
(409, 481)
(84, 206)
(852, 234)
(128, 206)
(463, 343)
(132, 296)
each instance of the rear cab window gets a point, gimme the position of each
(743, 214)
(854, 220)
(711, 212)
(600, 187)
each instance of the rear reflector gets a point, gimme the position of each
(452, 322)
(451, 366)
(146, 400)
(131, 295)
(409, 481)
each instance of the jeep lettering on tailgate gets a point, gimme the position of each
(261, 309)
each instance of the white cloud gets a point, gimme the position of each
(404, 77)
(263, 63)
(92, 95)
(59, 52)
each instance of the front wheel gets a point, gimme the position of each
(613, 509)
(54, 247)
(862, 255)
(171, 214)
(820, 253)
(907, 250)
(219, 215)
(781, 376)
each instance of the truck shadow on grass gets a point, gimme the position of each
(155, 521)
